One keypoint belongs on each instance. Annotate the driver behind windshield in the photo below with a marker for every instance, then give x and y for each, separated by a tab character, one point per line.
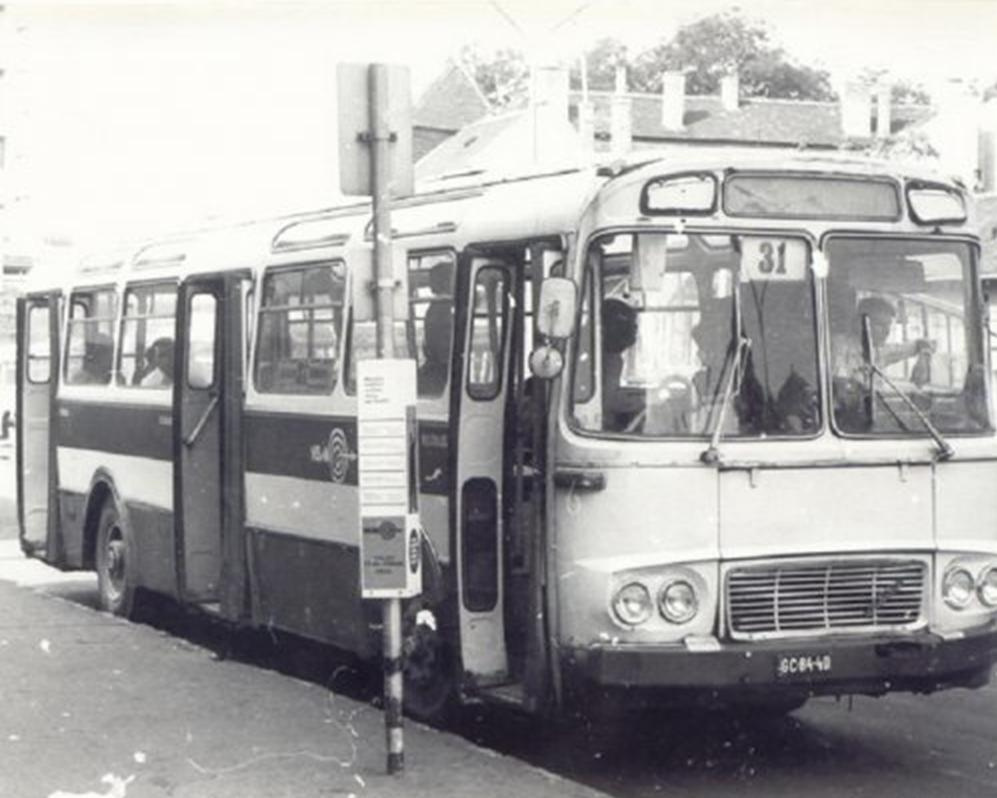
849	362
852	374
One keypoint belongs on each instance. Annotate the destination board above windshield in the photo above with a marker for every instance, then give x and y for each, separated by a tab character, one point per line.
807	196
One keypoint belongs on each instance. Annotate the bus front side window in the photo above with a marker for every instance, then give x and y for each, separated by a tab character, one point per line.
904	330
668	311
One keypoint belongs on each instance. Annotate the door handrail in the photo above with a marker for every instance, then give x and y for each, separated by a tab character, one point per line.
195	433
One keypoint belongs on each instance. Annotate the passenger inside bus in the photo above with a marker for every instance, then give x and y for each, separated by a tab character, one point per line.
159	358
98	359
437	331
621	406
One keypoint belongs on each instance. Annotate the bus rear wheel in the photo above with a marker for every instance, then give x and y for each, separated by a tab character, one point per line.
115	563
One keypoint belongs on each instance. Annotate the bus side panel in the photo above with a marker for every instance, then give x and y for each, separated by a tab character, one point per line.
130	445
302	518
311	588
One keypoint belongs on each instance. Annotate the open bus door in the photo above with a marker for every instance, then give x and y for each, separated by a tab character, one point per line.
483	388
37	378
208	400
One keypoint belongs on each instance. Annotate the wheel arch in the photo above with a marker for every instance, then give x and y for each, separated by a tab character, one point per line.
102	488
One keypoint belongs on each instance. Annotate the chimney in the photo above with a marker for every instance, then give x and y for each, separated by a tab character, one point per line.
730	92
620	120
884	99
549	105
672	100
856	111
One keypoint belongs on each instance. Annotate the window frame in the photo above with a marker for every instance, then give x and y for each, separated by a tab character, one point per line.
74	292
262	308
124	318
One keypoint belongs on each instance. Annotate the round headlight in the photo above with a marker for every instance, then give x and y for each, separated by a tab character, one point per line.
986	586
958	587
677	602
632	604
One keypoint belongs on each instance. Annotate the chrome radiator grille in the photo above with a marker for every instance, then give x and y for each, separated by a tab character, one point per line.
796	598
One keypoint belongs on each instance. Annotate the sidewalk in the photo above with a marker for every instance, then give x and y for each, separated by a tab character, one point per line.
85	695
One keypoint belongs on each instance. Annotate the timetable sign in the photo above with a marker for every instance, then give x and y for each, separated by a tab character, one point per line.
390	537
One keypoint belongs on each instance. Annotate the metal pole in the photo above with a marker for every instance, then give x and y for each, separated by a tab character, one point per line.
391	610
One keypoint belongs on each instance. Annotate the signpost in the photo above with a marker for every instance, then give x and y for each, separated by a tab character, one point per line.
375	149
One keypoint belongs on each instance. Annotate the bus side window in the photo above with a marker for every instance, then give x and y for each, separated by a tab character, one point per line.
427	336
491	310
39	363
300	321
431	286
90	336
145	356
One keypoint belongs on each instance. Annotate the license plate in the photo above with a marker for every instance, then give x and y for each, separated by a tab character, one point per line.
802	665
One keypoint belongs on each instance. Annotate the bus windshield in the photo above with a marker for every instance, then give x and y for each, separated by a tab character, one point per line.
663	317
907	308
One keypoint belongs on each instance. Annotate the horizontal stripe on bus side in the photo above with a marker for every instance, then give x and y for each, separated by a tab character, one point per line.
129	429
319	448
137	479
327	512
323	448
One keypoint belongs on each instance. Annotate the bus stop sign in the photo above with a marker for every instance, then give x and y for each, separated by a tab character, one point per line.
353	109
390	537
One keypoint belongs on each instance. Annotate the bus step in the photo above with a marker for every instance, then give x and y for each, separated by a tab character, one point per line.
511	694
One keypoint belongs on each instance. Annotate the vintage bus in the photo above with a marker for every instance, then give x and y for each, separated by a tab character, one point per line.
706	429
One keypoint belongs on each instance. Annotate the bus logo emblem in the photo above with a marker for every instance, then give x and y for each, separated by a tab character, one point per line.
339	455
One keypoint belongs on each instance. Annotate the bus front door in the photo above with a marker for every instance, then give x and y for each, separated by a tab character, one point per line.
37	376
483	389
207	445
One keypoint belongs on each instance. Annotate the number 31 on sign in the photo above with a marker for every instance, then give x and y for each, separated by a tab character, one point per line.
767	258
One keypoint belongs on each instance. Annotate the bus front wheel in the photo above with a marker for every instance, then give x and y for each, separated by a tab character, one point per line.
115	563
430	665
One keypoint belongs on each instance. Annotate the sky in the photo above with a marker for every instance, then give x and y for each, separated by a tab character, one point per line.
130	118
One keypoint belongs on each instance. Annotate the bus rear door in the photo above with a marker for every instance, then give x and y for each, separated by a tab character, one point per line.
208	401
37	377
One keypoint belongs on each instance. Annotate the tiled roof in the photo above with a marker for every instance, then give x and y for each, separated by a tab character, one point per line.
454	101
764	121
450	102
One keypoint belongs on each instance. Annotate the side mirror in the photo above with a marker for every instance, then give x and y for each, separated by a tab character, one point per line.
556	309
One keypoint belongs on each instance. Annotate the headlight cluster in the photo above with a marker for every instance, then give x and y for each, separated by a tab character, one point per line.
677	602
959	586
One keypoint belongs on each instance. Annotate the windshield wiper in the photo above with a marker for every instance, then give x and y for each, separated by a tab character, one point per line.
735	357
945	451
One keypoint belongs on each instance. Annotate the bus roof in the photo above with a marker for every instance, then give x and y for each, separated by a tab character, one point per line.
516	207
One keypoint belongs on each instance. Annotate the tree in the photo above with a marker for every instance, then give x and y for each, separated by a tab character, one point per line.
601	62
723	43
502	75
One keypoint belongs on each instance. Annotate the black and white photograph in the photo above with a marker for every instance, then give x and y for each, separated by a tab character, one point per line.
562	399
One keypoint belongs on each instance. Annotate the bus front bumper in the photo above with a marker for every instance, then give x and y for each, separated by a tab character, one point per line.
919	662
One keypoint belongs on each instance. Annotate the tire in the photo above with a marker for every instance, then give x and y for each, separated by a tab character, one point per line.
115	563
430	676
